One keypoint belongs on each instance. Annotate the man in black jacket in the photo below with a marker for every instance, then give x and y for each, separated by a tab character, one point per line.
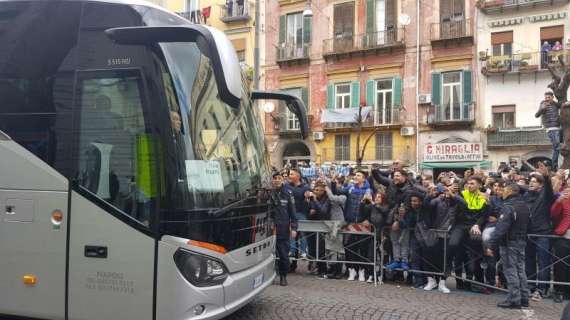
549	112
510	234
319	209
540	198
285	223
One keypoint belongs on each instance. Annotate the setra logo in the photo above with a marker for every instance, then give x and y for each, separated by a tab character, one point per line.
259	248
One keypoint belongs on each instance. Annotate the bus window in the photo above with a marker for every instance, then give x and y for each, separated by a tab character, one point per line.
116	151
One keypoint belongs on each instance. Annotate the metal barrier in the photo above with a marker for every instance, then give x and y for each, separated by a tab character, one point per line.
321	227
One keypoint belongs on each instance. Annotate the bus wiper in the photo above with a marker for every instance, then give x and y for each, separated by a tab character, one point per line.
220	211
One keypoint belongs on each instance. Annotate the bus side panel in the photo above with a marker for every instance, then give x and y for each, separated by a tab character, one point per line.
111	266
30	243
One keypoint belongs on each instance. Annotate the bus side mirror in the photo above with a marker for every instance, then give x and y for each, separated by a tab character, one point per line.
212	43
294	104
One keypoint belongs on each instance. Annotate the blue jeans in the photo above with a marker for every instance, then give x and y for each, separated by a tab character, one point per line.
300	236
554	136
538	253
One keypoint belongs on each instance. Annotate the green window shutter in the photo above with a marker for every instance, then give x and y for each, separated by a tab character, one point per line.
467	90
436	88
305	98
330	96
370	15
397	96
355	95
282	29
467	93
307	23
370	92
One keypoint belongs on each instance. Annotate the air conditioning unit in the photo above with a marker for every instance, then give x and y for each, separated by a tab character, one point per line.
424	98
318	136
407	131
483	55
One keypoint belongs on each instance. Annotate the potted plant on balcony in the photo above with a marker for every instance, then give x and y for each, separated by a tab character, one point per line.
497	66
525	64
491	129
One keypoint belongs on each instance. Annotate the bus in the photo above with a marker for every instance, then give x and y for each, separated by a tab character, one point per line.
133	168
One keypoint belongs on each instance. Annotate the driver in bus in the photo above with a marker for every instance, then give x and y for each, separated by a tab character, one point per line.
176	159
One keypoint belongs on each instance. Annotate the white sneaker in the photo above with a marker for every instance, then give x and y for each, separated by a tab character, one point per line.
361	277
351	274
442	288
370	279
431	284
304	256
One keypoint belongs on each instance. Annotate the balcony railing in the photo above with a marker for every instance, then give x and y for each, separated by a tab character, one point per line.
375	119
490	6
525	136
193	16
441	115
234	12
360	43
452	30
292	51
525	62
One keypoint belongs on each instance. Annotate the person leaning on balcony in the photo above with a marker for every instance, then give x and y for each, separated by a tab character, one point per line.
549	112
557	46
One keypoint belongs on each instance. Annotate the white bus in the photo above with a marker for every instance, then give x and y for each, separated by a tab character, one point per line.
132	166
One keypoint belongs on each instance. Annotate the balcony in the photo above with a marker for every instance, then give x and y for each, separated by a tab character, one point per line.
233	12
524	62
375	119
498	6
193	16
524	136
454	31
440	116
293	53
374	42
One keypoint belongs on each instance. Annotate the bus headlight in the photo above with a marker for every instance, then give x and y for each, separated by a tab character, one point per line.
200	270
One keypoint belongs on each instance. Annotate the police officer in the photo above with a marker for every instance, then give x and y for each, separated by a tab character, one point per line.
511	234
285	223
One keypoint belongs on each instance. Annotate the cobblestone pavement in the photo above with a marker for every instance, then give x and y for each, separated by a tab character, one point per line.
308	297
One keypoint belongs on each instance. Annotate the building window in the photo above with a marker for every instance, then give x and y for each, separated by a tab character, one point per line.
343	27
451	103
342	147
384	146
504	117
295	30
502	43
241	55
383	108
551	39
291	121
342	95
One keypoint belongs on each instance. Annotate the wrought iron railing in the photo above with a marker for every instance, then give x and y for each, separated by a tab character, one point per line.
454	29
524	136
527	61
445	115
372	40
233	11
293	51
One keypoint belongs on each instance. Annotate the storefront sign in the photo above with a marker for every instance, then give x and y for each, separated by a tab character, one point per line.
441	152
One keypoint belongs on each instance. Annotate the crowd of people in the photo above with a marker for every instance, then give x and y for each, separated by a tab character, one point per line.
434	227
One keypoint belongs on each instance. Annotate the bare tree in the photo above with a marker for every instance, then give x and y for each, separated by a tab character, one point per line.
559	85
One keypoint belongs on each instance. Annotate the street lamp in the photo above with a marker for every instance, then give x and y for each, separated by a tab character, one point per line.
308	12
268	107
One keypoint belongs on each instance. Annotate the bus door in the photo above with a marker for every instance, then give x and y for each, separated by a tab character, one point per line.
112	249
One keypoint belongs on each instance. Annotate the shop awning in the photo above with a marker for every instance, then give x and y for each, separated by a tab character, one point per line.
442	165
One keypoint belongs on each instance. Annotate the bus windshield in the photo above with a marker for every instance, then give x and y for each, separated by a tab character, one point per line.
215	153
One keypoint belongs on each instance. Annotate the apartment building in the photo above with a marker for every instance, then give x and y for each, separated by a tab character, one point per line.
518	40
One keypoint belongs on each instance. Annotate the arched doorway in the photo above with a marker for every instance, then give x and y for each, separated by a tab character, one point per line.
296	152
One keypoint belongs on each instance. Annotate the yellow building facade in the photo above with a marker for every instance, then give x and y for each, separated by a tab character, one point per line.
235	18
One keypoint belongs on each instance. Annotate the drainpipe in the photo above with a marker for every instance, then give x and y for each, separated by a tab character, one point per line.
417	85
256	46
